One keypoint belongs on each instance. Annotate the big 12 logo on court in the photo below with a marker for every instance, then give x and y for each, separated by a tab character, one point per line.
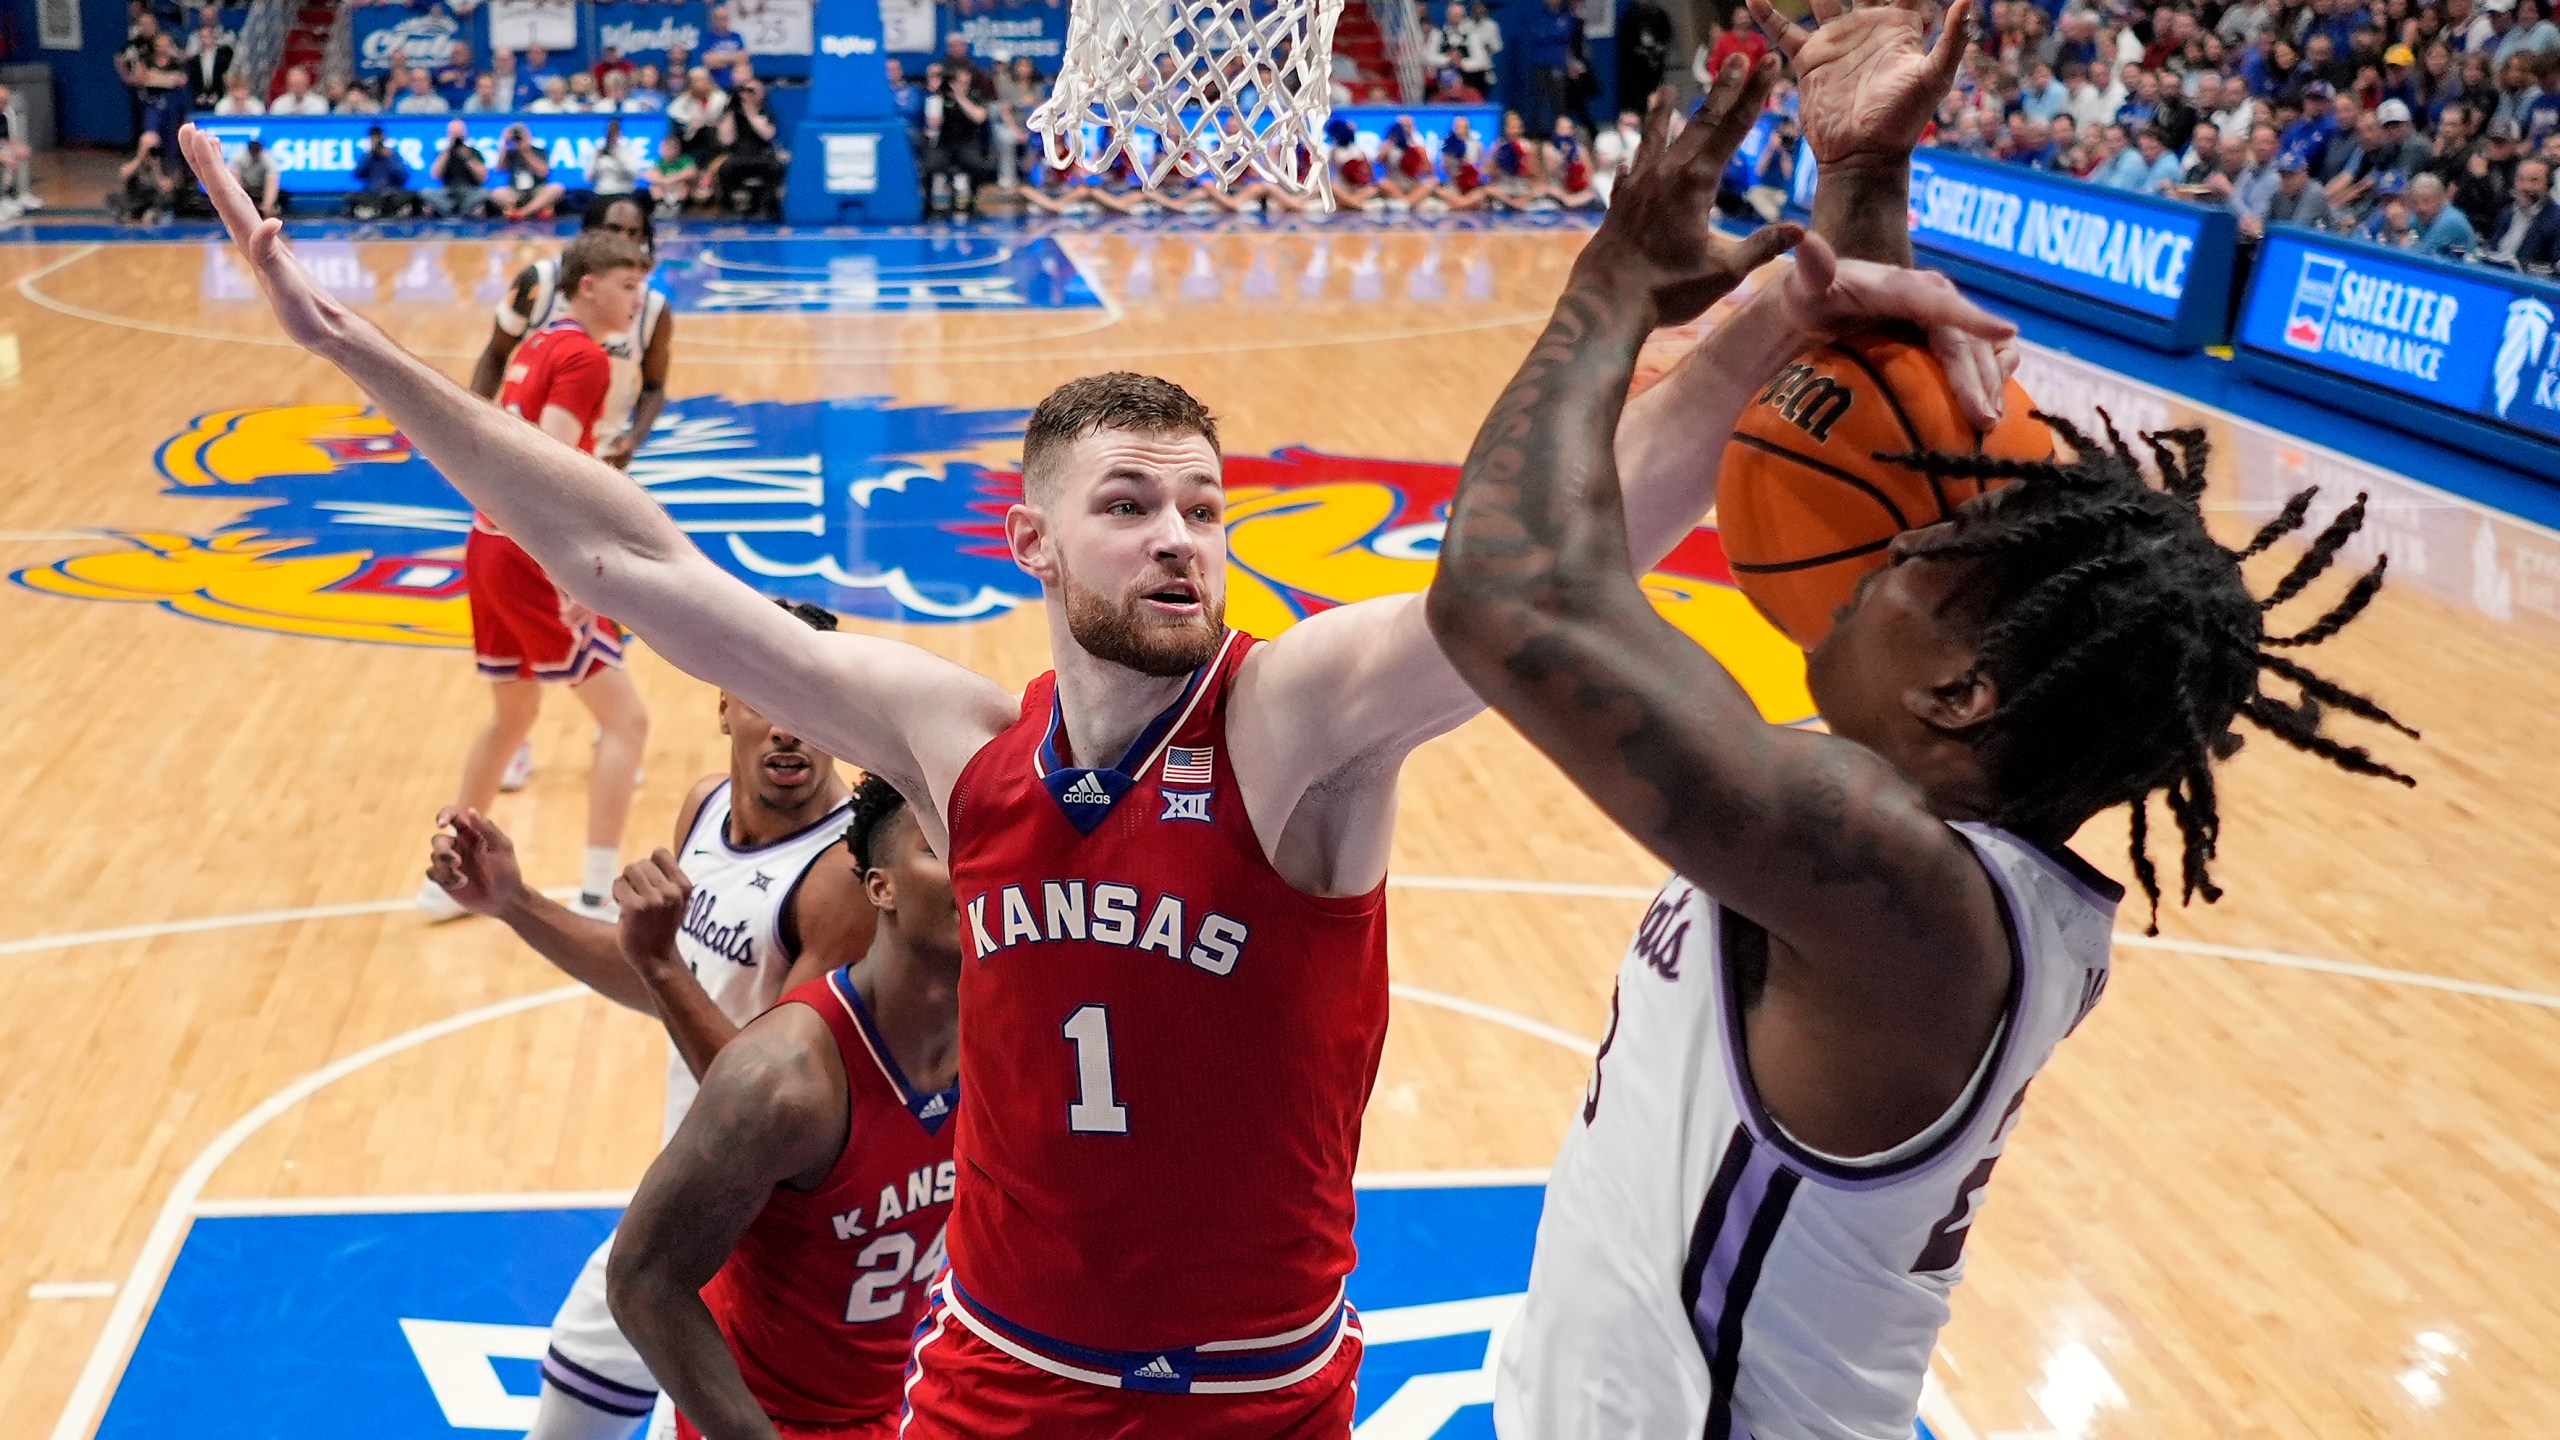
339	529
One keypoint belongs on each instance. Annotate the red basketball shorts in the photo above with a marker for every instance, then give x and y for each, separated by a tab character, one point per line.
522	627
883	1426
959	1387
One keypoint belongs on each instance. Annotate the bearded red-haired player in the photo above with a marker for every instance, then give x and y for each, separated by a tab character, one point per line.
1169	854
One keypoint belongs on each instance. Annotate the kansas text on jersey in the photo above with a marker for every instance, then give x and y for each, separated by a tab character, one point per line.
1056	910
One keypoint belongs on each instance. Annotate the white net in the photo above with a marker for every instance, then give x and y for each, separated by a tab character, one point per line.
1219	92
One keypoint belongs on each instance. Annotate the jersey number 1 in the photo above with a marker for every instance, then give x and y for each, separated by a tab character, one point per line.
1096	1110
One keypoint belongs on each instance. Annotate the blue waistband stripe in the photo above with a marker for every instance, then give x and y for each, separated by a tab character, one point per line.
1171	1370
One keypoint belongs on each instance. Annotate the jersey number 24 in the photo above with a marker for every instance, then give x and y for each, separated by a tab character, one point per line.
889	1264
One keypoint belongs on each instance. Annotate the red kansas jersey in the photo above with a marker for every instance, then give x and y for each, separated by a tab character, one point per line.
559	364
821	1297
1168	1051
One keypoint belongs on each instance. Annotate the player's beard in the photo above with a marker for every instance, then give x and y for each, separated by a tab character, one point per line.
1125	635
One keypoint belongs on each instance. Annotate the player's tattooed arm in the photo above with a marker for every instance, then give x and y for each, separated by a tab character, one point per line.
772	1111
1818	839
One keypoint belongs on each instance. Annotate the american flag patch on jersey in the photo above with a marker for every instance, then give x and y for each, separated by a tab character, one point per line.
1187	767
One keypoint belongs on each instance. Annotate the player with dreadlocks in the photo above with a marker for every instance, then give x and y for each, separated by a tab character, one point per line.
815	1165
2125	643
1825	1026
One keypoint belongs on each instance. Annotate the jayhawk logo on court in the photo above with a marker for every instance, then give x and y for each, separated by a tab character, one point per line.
872	509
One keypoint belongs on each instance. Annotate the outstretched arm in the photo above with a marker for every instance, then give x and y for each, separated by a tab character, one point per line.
772	1110
1818	839
888	707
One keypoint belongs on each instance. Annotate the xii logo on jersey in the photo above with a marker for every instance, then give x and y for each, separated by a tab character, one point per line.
334	527
1186	805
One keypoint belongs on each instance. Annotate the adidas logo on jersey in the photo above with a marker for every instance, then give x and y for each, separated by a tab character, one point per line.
934	1109
1159	1368
1088	791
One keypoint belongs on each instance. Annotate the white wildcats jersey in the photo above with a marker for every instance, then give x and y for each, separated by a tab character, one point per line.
1698	1271
732	931
623	350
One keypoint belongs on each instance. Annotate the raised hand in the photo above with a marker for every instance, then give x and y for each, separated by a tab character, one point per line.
1867	80
653	894
1661	232
311	317
475	862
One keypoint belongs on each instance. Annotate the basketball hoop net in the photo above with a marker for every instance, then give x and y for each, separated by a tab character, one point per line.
1214	90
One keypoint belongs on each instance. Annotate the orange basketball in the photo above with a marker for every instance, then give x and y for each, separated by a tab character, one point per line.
1807	504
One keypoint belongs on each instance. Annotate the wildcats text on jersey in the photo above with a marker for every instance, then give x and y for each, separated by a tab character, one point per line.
734	941
1106	913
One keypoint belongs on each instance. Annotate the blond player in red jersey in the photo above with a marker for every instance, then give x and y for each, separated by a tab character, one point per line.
1085	1295
525	632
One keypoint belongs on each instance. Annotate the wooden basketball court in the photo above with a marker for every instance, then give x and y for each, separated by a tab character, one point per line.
2293	1179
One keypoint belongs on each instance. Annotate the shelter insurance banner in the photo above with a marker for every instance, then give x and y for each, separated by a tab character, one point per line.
2101	244
2153	270
316	154
2465	337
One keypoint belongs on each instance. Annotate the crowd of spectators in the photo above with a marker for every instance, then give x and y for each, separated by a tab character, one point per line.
2430	126
723	150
